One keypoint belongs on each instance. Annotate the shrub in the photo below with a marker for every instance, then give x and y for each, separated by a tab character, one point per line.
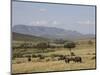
70	45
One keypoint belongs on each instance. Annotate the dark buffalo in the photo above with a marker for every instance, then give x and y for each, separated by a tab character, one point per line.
67	60
78	59
63	57
74	59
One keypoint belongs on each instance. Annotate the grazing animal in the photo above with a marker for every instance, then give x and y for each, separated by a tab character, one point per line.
67	60
75	59
29	59
63	57
78	59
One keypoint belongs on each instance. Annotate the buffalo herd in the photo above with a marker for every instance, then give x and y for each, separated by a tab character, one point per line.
75	59
65	58
68	58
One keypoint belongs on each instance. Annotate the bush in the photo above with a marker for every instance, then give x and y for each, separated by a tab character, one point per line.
90	42
34	56
93	58
42	46
42	57
56	55
17	55
70	45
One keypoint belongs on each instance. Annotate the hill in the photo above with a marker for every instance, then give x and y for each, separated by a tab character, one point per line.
24	37
50	32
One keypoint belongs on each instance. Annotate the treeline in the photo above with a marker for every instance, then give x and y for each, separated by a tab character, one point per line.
42	47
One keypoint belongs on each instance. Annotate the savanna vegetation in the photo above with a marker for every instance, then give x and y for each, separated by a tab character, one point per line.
52	55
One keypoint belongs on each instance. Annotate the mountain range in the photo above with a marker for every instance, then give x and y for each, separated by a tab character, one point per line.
49	32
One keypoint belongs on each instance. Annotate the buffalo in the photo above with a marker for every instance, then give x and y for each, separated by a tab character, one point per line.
75	59
78	59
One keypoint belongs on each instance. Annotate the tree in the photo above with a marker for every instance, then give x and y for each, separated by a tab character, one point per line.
70	45
42	46
60	41
90	42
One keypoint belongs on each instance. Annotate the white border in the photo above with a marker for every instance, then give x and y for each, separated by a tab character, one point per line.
5	37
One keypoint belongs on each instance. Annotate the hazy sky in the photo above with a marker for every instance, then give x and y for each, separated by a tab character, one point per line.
70	17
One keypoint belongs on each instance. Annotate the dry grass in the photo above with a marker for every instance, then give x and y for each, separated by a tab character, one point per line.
50	66
85	51
44	66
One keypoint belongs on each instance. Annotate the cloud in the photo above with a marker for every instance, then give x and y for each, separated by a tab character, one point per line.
50	23
55	22
88	22
39	22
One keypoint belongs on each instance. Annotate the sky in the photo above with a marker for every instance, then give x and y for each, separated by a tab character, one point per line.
69	17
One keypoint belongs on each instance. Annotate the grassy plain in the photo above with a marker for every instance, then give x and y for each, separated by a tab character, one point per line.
84	50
